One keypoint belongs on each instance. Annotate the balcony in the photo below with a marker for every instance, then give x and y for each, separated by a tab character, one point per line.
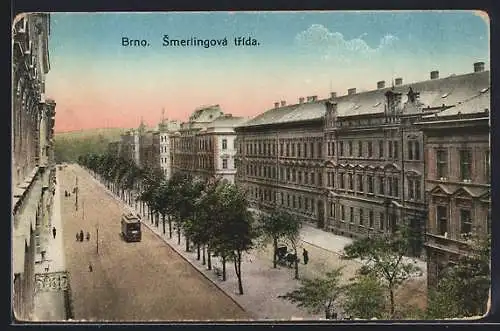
447	244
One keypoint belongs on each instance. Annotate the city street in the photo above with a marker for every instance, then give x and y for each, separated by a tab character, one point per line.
112	280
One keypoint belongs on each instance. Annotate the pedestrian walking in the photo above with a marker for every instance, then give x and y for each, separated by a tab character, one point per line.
54	232
90	267
81	235
77	236
305	255
88	236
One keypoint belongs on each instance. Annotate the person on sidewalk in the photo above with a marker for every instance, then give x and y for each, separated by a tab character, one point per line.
77	236
54	231
88	236
90	267
81	235
305	255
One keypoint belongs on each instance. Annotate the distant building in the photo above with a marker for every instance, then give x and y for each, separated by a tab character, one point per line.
186	152
32	159
114	148
149	157
166	128
222	154
127	145
457	172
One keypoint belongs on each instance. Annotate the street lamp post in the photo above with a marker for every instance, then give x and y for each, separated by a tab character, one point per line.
76	194
97	238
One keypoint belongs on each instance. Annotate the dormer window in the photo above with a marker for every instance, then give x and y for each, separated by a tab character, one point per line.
393	101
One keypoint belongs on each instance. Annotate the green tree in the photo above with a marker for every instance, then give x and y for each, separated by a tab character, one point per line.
384	257
237	227
206	209
319	294
463	287
275	226
292	236
364	298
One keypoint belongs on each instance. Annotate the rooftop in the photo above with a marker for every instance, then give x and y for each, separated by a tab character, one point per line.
433	93
477	104
227	121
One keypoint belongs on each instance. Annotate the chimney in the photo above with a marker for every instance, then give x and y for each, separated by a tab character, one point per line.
333	95
381	84
351	91
276	105
301	100
398	81
478	66
434	74
283	103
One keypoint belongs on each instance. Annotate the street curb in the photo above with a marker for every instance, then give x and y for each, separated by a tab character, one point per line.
197	269
325	249
172	247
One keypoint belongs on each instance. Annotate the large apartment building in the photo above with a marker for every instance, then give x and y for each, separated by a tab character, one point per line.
32	158
351	164
204	145
281	156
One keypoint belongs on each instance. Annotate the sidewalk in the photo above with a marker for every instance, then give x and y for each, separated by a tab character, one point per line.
50	305
335	243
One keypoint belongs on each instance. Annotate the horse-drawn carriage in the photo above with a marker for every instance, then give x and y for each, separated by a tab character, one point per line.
285	257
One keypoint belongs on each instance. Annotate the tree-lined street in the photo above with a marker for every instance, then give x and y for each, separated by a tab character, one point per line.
129	281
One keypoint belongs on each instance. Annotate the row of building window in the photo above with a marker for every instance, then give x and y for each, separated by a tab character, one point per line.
298	202
392	147
386	184
285	174
465	164
299	149
306	204
365	217
442	216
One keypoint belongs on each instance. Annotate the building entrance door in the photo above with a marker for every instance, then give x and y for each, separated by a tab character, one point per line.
321	214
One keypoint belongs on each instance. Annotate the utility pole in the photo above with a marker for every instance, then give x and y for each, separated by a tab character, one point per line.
76	194
97	238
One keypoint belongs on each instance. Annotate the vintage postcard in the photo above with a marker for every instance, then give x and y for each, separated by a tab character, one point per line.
245	166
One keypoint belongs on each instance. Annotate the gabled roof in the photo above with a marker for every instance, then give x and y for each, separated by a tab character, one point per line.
470	191
441	188
227	121
413	172
391	166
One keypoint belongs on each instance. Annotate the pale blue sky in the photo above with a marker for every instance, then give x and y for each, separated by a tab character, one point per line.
300	53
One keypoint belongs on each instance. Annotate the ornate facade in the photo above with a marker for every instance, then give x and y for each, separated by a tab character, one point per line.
222	139
194	146
457	175
352	164
33	168
280	159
